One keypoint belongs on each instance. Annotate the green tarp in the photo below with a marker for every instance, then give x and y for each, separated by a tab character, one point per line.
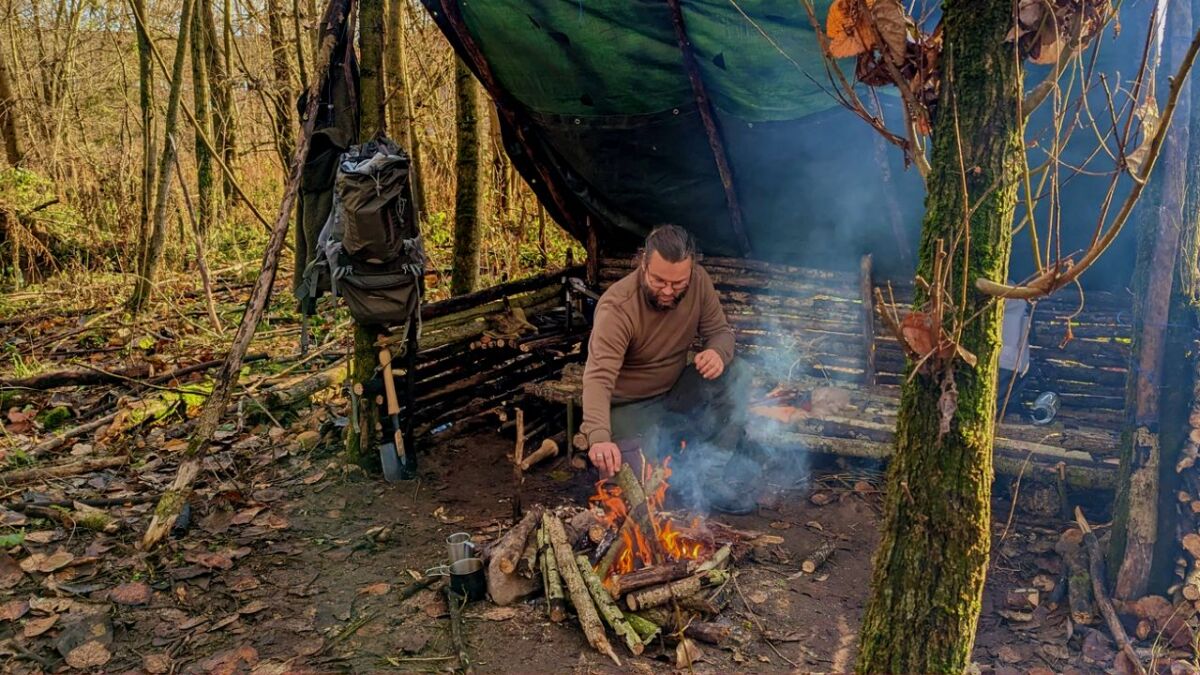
599	105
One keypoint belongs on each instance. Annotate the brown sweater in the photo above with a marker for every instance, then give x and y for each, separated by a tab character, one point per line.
637	352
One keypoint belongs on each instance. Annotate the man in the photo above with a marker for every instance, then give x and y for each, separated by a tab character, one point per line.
640	393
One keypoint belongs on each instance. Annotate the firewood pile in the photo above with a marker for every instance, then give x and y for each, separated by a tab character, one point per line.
630	571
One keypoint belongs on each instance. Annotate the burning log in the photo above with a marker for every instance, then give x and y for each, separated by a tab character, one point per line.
639	510
650	576
602	547
647	630
659	595
717	560
608	609
580	598
817	558
556	605
625	533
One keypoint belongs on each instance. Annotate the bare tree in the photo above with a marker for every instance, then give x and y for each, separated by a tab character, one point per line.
468	195
372	70
146	104
151	255
202	57
9	128
285	138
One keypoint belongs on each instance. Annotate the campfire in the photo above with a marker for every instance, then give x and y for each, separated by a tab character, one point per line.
627	565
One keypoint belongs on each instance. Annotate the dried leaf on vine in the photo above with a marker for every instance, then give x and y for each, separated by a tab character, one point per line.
1045	27
919	333
891	24
849	29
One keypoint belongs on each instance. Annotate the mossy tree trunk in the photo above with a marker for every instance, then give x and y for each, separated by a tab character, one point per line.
468	193
9	129
932	560
371	72
201	98
362	436
1145	504
149	145
152	253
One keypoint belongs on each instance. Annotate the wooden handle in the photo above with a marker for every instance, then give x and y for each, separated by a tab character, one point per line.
389	385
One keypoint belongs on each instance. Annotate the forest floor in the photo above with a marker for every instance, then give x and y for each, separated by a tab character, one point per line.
294	560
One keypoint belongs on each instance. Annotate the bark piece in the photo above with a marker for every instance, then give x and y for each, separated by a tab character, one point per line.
580	598
608	609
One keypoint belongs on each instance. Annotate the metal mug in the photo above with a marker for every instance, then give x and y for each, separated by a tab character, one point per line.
466	577
459	546
1045	407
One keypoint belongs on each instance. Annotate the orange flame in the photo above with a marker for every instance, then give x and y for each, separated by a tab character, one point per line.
636	551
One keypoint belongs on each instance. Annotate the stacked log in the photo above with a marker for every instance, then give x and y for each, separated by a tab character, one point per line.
1186	592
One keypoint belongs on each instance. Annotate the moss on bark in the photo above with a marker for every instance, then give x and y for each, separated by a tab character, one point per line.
932	559
362	434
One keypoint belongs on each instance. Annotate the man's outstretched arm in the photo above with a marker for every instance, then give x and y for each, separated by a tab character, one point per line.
611	332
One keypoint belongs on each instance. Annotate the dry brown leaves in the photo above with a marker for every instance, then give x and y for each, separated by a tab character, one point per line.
1046	27
135	593
88	655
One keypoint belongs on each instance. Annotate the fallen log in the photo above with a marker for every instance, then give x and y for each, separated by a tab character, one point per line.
713	633
581	599
659	595
1079	582
76	377
302	387
656	575
61	470
55	442
813	561
1096	568
607	608
556	605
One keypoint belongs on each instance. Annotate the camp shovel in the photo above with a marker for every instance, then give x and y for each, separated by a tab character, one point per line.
392	454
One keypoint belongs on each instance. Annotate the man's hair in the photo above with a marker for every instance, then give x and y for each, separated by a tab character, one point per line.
672	242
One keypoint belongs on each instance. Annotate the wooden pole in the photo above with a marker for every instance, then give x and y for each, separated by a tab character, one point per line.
608	609
1096	565
518	457
556	605
175	497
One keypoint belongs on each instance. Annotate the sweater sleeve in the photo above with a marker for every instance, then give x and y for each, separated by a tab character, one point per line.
611	332
714	328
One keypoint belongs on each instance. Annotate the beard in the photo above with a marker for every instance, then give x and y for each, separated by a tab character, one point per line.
654	301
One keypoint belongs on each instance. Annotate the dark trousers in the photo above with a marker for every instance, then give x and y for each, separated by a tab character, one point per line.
706	414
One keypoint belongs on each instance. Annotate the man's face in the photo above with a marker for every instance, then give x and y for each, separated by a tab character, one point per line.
665	283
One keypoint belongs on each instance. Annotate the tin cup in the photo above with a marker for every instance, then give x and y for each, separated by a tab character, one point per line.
460	547
466	577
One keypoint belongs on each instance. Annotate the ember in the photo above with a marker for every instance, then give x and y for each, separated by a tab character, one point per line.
649	536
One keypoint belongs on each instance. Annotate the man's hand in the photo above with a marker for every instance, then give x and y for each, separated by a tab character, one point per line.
710	365
606	457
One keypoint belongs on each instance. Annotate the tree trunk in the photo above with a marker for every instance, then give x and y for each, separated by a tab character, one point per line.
371	73
932	559
284	99
201	97
401	124
154	247
9	129
362	434
1138	520
220	95
227	120
468	195
149	146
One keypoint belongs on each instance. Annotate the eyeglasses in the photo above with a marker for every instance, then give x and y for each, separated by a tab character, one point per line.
658	284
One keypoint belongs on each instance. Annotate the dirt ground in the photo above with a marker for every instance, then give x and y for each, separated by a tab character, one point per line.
303	567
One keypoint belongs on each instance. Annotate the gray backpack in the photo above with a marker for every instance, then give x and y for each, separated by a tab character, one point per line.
369	251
